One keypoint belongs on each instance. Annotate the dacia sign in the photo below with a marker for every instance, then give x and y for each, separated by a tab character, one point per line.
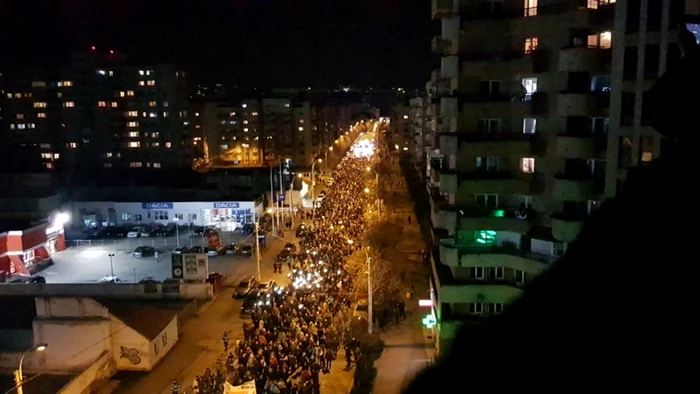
157	205
226	205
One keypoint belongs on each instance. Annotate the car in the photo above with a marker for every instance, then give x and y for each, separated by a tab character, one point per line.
268	286
135	232
196	249
289	246
163	231
148	279
244	287
21	278
246	250
144	251
181	250
361	310
227	249
211	252
284	256
254	298
109	279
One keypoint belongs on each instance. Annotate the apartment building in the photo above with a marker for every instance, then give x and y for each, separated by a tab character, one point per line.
417	117
99	113
401	131
521	107
232	134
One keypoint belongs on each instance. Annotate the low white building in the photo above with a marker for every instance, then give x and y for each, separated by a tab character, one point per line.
226	215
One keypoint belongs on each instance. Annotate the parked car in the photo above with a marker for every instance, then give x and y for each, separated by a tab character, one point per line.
181	250
109	279
244	287
135	232
20	278
246	250
284	256
196	249
289	246
144	251
227	249
254	298
268	286
148	279
211	252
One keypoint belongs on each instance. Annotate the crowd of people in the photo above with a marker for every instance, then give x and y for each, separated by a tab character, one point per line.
296	331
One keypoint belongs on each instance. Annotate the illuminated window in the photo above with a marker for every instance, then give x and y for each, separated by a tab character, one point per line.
156	165
9	95
18	95
129	92
12	126
245	129
152	103
20	116
487	200
132	124
101	104
122	94
254	113
151	83
39	104
301	128
21	126
531	44
531	7
31	126
132	114
135	164
108	165
134	144
527	165
152	115
65	84
602	40
165	114
232	114
114	104
69	104
38	84
245	122
110	73
244	105
405	116
168	144
134	134
155	144
56	155
155	135
529	126
73	145
301	121
41	115
141	72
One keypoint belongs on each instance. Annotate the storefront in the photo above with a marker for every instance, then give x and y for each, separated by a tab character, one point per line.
225	215
23	251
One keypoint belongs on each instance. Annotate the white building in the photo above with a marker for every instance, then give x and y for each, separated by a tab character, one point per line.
226	215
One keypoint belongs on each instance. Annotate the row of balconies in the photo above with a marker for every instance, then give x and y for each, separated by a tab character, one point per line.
597	12
455	255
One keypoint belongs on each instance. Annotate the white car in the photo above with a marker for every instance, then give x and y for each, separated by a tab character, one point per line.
135	232
109	279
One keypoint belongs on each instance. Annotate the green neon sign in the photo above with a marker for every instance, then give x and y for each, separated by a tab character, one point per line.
429	321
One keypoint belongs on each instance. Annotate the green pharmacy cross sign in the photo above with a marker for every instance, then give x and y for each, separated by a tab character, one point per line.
429	321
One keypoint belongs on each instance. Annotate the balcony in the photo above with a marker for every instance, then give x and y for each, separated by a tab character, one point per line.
566	227
508	61
578	187
573	103
584	59
473	217
505	182
444	47
581	146
447	87
441	8
485	12
455	255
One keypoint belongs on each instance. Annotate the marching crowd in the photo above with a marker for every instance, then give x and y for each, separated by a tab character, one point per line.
296	331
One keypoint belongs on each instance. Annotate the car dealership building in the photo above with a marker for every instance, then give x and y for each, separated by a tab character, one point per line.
225	215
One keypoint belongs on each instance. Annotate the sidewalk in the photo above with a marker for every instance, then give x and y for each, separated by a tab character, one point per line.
338	381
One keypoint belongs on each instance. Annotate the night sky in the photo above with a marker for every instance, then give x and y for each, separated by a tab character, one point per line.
264	43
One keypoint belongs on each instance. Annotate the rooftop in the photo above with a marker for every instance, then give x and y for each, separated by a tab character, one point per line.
145	318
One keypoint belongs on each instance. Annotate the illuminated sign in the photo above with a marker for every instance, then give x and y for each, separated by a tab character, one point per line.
227	205
425	302
429	321
157	205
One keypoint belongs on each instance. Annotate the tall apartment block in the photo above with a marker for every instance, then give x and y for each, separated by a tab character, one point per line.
99	113
538	111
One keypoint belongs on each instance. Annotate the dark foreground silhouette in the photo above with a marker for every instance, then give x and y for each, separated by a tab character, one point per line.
620	310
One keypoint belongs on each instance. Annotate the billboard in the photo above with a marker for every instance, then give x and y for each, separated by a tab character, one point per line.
157	205
195	266
176	269
213	239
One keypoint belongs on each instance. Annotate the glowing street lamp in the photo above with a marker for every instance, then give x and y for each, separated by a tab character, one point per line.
18	373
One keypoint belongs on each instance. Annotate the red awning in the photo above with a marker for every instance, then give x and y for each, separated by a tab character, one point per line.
17	265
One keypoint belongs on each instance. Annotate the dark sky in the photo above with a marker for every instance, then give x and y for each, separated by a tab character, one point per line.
285	43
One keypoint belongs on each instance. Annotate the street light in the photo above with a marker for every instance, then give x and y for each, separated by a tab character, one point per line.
367	190
19	378
111	265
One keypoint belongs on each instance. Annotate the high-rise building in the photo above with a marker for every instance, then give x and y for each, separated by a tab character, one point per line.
100	113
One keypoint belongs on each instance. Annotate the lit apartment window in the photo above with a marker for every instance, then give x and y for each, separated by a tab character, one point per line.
134	134
531	44
232	114
56	155
527	165
141	72
244	105
21	126
101	72
108	154
135	164
142	83
101	104
156	165
41	115
489	200
301	121
530	85
73	145
122	94
151	83
65	84
9	95
405	116
110	73
12	126
301	128
531	7
129	92
245	122
38	84
155	135
20	116
114	104
168	144
40	104
69	104
602	40
286	105
476	308
132	114
152	115
108	165
529	126
155	144
224	146
476	272
134	144
245	129
18	95
152	103
165	114
31	125
254	113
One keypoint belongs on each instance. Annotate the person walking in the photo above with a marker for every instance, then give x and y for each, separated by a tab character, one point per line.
224	339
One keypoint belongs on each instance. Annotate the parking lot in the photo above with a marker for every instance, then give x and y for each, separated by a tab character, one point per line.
89	260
